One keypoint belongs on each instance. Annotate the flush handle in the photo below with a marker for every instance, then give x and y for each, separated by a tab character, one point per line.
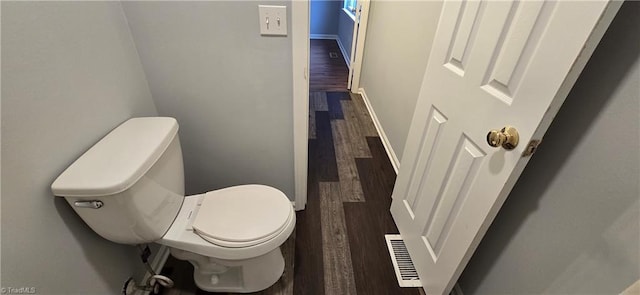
89	204
507	137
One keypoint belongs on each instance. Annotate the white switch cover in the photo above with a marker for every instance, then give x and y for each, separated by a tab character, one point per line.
273	20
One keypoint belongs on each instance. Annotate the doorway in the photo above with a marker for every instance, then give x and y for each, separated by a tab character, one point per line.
304	31
336	33
330	38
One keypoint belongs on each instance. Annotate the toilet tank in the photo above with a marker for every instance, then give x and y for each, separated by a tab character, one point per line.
129	186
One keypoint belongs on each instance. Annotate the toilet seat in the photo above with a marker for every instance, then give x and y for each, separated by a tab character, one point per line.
242	216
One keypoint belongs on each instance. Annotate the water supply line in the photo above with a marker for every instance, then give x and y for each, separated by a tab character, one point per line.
154	281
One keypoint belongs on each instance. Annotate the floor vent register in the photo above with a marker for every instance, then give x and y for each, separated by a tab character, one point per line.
402	264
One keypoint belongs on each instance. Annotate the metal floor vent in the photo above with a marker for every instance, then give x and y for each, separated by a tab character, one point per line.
402	264
333	55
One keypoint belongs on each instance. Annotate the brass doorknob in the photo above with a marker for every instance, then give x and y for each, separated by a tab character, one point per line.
506	137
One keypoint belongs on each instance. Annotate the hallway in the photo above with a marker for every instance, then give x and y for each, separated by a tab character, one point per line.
327	68
338	246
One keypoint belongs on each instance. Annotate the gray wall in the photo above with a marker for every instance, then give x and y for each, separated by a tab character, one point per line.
229	88
399	39
571	224
70	74
323	18
345	31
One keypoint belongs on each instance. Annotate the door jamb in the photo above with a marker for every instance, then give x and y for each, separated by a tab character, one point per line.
357	45
300	77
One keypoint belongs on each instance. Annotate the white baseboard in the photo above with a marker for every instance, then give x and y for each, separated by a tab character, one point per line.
383	136
323	36
295	207
157	264
344	53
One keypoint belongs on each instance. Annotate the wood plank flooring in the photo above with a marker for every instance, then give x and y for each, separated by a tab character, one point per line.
327	73
354	204
338	246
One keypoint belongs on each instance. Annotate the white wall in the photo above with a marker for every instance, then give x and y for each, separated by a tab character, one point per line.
571	224
399	39
70	73
229	88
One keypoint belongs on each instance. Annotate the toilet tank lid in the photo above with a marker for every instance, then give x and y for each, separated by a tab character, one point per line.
118	160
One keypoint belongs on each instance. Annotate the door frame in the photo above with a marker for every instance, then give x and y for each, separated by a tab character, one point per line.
300	94
300	36
357	45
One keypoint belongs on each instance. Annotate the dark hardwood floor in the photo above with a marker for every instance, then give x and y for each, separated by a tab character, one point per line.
327	73
350	182
338	246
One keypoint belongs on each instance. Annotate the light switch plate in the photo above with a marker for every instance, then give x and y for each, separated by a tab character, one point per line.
273	20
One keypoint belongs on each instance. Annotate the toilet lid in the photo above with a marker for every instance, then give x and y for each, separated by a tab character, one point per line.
242	216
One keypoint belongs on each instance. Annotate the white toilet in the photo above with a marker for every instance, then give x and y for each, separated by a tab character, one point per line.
129	188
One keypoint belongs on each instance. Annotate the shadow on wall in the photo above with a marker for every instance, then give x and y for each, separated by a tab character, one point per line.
611	62
95	248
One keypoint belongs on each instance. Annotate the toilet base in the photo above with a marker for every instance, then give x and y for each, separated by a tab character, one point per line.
238	276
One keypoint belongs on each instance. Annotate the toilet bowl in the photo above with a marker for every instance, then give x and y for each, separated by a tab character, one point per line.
129	188
232	236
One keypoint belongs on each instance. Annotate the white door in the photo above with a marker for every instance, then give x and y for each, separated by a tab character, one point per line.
493	64
357	44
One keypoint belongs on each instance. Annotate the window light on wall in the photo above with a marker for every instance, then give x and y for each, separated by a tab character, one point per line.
350	7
